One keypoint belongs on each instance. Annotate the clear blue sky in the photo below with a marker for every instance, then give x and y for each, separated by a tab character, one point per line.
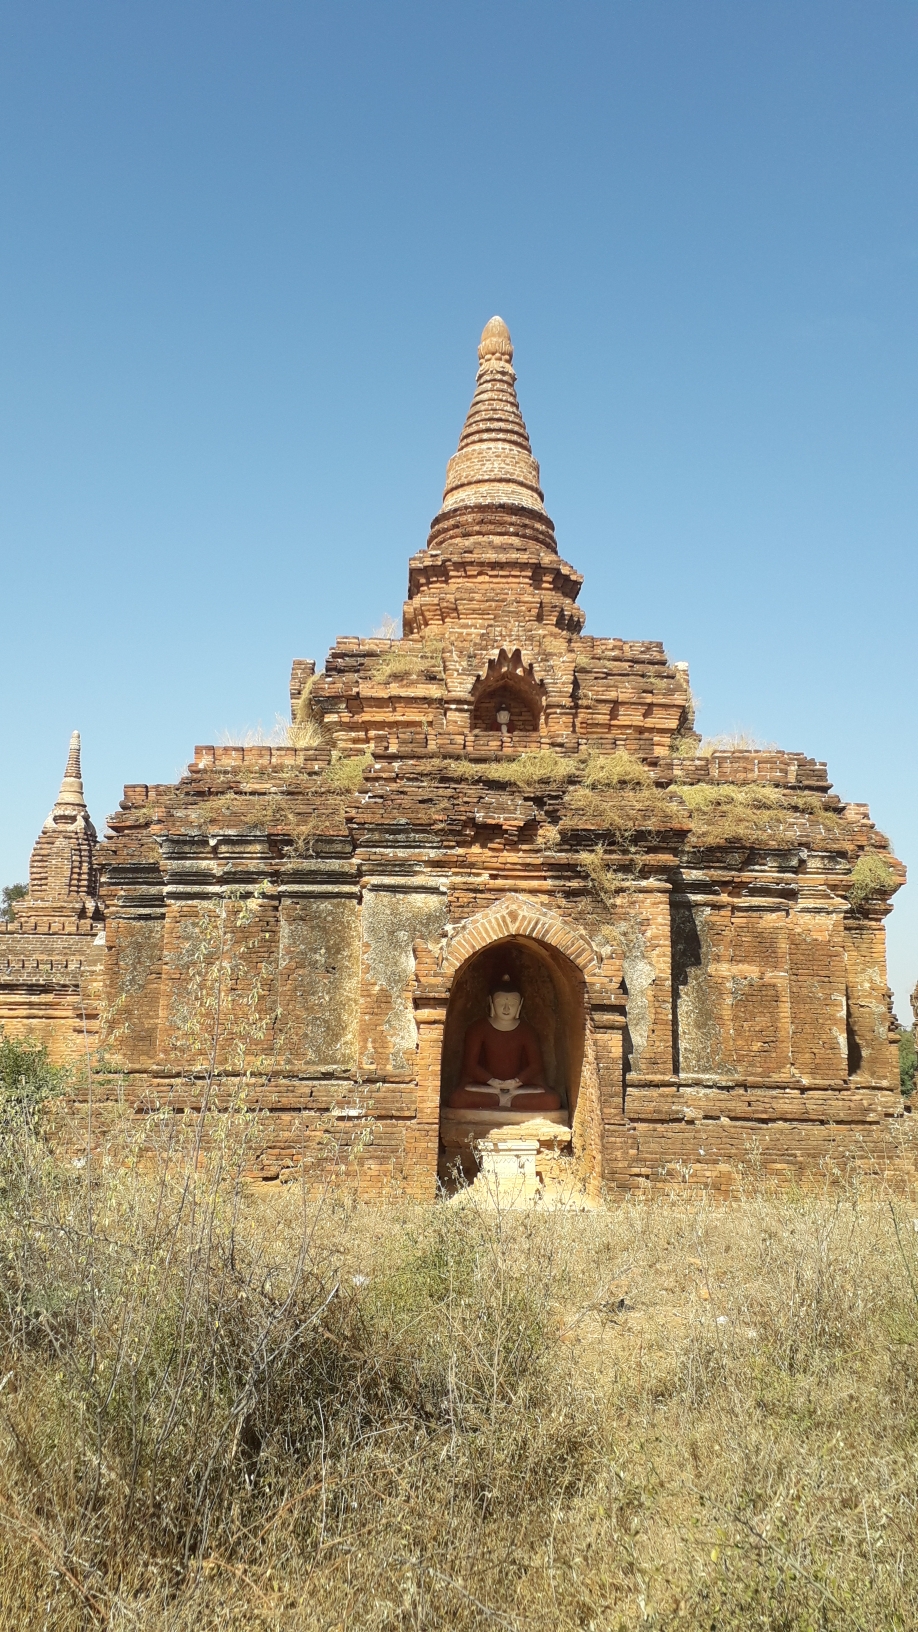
246	251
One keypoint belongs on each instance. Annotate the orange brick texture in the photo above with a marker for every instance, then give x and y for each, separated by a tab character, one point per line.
305	931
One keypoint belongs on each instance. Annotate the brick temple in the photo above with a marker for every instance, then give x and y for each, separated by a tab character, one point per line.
308	930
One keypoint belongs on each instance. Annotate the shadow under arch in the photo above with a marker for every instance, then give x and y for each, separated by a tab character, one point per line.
507	683
554	1003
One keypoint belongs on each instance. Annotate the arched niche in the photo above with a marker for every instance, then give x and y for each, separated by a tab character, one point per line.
507	684
554	1003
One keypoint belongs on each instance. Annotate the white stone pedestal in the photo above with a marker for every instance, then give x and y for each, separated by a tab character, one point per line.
508	1170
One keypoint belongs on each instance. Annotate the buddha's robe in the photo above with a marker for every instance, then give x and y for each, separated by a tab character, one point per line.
503	1055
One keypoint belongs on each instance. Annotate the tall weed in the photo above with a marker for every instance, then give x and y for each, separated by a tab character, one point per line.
224	1406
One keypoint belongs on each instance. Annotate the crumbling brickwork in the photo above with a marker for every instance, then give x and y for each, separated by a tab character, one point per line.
51	955
305	930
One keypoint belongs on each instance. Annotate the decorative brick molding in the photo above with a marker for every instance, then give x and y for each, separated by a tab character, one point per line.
515	915
518	919
495	779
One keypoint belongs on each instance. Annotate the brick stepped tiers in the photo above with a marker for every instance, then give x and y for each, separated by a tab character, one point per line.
698	935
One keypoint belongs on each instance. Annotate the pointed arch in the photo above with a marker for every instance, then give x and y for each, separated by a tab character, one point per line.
510	683
519	915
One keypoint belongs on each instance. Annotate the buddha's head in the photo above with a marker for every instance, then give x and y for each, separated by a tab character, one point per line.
506	1002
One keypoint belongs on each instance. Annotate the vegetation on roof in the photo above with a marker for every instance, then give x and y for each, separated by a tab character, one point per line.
616	793
684	747
871	879
540	768
751	813
622	811
735	742
545	768
711	795
306	729
404	661
614	771
346	775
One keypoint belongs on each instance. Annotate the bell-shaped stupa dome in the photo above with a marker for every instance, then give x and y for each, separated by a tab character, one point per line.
494	462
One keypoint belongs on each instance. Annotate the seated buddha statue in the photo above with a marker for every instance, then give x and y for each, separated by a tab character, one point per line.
502	1061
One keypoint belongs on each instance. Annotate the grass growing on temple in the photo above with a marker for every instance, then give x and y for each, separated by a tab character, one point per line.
228	1407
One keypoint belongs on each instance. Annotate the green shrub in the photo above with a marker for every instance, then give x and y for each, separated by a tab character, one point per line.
11	894
27	1077
871	879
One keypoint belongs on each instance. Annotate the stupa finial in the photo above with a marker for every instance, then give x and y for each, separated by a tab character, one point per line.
494	463
73	756
72	786
495	344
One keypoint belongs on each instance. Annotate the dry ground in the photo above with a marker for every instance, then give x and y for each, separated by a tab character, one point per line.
226	1410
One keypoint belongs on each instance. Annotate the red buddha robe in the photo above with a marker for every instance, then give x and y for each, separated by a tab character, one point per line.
502	1054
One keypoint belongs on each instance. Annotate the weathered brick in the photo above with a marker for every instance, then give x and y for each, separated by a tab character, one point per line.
309	945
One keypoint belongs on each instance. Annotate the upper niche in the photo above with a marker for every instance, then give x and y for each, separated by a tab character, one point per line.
507	685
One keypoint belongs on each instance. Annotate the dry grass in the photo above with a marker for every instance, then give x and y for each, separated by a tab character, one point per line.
538	769
611	791
872	879
622	811
610	876
614	771
403	661
345	775
753	813
222	1409
304	734
615	793
735	742
277	813
543	768
548	836
305	731
257	736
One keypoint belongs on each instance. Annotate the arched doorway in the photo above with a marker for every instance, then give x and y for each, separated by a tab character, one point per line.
578	989
554	1003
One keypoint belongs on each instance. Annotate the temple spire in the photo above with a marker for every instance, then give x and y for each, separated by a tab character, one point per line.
71	793
494	463
491	561
62	871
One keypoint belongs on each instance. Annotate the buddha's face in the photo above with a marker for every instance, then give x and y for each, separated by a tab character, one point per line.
505	1008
